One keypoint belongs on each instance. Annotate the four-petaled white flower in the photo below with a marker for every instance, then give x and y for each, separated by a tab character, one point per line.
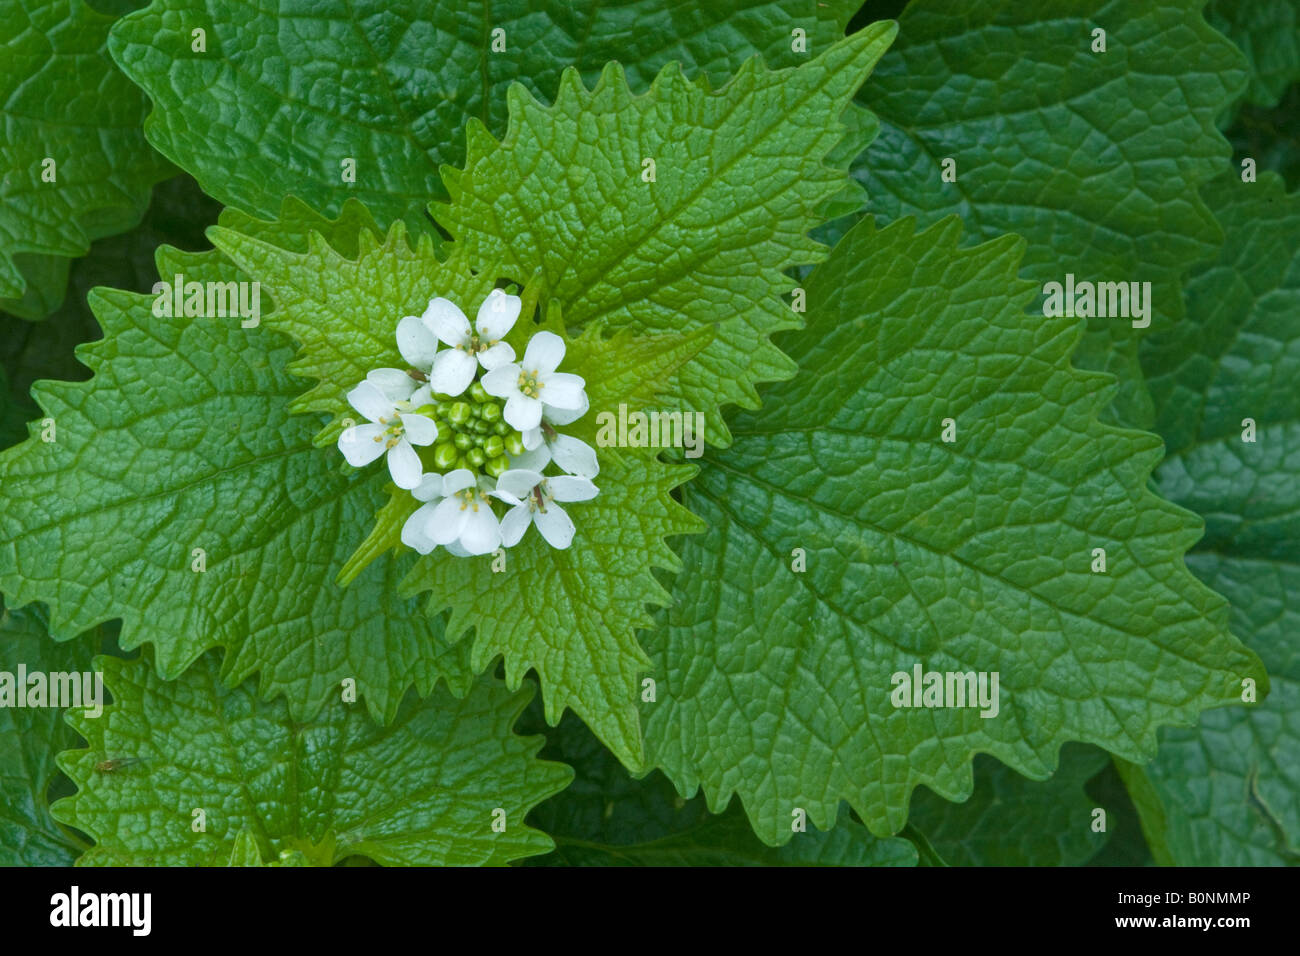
531	386
534	499
462	519
432	490
394	426
544	444
453	369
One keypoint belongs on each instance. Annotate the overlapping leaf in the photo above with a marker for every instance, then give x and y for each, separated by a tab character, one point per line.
699	240
1093	158
1011	821
282	96
183	439
572	615
30	737
62	101
1227	792
606	818
201	764
973	555
1268	33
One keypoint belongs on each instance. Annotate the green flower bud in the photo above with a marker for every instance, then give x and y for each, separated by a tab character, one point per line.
459	413
445	455
491	412
515	443
496	466
463	441
493	446
476	456
501	428
478	392
462	462
482	427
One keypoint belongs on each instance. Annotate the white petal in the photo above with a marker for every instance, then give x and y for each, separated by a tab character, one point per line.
556	526
455	548
393	382
447	322
496	316
457	480
535	459
514	524
453	370
518	482
574	456
371	402
544	353
482	531
498	355
416	342
415	532
404	465
566	416
533	437
563	390
502	381
429	488
566	488
522	412
419	429
421	396
448	518
359	446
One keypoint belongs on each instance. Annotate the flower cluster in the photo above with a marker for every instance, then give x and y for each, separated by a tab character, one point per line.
467	425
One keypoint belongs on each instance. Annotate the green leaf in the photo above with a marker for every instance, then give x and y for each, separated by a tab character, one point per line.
1229	788
970	555
421	791
183	439
283	95
606	818
177	216
1268	33
572	615
739	179
1094	158
1012	821
29	739
63	100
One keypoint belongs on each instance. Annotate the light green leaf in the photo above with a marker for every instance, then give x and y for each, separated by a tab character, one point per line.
1010	820
283	95
967	556
421	791
63	101
1094	158
739	179
606	818
1268	33
1229	788
29	739
183	439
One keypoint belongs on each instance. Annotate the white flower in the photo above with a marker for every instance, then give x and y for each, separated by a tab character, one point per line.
463	519
453	369
393	426
534	499
544	444
533	385
432	490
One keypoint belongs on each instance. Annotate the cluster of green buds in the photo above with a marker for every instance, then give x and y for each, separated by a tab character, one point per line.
472	433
